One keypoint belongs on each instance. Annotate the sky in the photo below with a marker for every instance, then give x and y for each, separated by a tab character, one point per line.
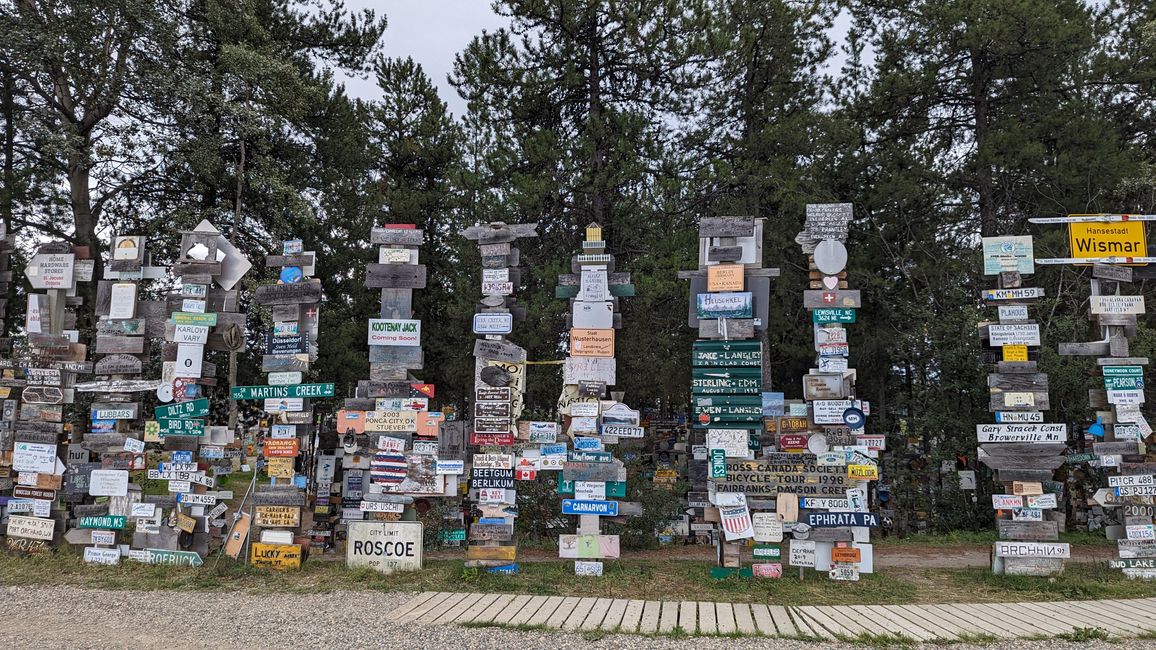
430	31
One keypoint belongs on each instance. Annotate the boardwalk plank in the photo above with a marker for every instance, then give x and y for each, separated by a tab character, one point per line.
420	610
494	609
446	605
764	621
744	622
614	615
597	612
891	619
536	603
581	610
410	604
513	609
686	617
707	621
782	621
668	618
564	610
632	617
470	613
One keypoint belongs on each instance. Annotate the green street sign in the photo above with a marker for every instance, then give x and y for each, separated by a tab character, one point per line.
281	392
458	535
833	315
718	463
115	522
613	488
1123	383
727	353
197	408
175	558
184	427
726	381
1123	371
767	552
185	318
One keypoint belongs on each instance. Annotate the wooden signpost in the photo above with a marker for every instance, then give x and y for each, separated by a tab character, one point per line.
1116	248
592	426
1021	444
497	402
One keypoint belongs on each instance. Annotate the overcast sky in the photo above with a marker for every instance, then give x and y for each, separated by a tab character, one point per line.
430	31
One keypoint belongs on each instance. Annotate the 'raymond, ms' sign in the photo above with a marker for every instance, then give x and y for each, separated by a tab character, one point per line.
385	546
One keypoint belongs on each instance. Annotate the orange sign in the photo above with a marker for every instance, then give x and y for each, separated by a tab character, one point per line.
237	536
280	447
724	277
591	343
347	420
429	424
845	555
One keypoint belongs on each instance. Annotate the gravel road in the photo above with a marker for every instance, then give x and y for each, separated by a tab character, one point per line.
69	617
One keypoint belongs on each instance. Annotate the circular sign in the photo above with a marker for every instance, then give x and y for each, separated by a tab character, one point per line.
830	256
817	444
854	418
704	418
291	275
165	393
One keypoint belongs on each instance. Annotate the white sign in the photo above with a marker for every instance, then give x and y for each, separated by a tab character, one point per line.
285	378
593	286
30	527
195	334
1041	501
493	323
101	555
122	301
396	256
833	364
34	457
134	445
768	526
802	553
830	411
390	331
283	431
1142	531
285	404
385	546
1006	501
189	357
46	271
1038	432
103	537
108	483
495	275
497	288
1033	549
379	506
1126	397
578	369
143	510
587	568
733	441
1138	479
590	490
1013	312
1006	334
1117	304
593	315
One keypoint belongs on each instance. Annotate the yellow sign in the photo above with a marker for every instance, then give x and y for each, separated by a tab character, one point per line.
277	556
152	431
724	277
279	467
1116	239
504	553
1015	353
278	516
186	523
863	472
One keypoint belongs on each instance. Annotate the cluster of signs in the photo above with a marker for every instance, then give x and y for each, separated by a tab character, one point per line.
1112	245
290	347
101	490
1020	447
791	476
591	477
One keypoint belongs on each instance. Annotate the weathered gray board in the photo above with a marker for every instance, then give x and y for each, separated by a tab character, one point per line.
1022	461
395	276
1018	382
1026	448
1038	531
1009	475
289	294
499	351
726	227
1039	402
1092	349
402	356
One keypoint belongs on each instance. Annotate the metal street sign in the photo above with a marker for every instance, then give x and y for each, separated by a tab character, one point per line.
197	408
279	392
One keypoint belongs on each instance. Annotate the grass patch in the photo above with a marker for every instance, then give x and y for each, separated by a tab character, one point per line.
1084	634
646	579
984	538
878	640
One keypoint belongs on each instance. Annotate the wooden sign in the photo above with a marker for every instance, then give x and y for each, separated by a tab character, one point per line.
1028	432
726	227
1026	488
1116	304
1033	550
106	344
397	236
306	292
279	557
826	299
395	276
277	516
500	351
1028	530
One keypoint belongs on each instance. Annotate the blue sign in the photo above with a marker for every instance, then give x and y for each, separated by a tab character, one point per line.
182	456
599	508
495	521
103	426
505	568
839	519
774	405
553	450
588	444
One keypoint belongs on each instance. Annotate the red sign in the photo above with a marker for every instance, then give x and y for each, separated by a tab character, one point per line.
424	389
770	570
828	298
792	441
280	447
501	439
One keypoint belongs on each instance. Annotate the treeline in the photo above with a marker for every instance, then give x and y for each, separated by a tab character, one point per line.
940	120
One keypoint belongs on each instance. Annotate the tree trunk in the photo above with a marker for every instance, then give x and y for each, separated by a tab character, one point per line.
85	221
598	200
988	223
8	187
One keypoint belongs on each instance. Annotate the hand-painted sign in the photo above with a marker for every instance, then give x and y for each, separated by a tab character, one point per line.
725	305
389	331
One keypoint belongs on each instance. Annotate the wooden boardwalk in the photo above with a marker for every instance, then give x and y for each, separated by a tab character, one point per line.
932	622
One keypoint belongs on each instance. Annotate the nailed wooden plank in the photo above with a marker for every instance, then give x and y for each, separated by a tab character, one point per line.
1042	531
395	276
765	621
443	607
1016	367
821	625
976	619
1027	448
1016	474
529	609
613	619
804	625
546	610
945	628
417	612
302	293
477	609
300	259
408	605
1022	461
1018	401
632	617
578	614
651	611
725	618
874	623
735	328
399	236
494	609
1018	382
688	617
726	227
890	619
836	621
107	344
597	612
1090	349
463	604
744	621
512	609
559	616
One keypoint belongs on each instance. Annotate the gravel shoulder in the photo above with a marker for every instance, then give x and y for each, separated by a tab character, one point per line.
74	618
